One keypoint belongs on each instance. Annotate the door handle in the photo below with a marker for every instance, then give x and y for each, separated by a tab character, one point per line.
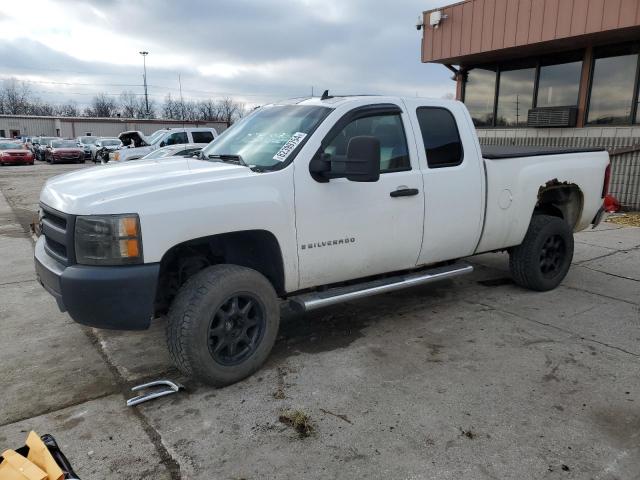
404	192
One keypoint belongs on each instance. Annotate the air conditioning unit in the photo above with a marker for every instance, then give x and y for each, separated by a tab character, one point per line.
552	117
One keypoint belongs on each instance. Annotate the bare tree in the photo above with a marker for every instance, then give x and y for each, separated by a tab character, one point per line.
16	97
69	109
229	110
207	110
129	105
102	106
170	107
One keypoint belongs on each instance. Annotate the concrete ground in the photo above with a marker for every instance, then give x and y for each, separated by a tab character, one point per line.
469	379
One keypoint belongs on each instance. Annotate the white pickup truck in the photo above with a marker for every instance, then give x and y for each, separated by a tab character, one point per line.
312	202
137	145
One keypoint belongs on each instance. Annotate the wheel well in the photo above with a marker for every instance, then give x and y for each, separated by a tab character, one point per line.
563	200
256	249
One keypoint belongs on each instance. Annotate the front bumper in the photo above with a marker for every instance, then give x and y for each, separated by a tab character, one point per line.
118	298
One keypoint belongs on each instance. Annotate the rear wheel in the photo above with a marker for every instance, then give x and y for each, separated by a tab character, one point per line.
543	259
223	324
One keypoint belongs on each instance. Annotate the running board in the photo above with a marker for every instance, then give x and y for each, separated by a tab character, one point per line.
313	300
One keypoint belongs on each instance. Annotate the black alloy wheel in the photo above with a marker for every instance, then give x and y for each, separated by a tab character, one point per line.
552	255
236	329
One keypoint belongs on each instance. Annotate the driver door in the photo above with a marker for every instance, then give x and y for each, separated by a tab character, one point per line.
347	229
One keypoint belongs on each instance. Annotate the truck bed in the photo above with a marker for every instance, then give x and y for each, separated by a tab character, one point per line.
499	152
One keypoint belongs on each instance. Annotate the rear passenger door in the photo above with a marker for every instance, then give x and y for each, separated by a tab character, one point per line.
453	177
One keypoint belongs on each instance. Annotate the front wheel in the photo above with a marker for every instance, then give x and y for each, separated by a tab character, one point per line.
222	324
543	259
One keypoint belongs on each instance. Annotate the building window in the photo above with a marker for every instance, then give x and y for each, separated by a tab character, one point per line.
612	88
558	85
479	94
515	97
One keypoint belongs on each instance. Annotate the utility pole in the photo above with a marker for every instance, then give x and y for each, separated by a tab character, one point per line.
146	95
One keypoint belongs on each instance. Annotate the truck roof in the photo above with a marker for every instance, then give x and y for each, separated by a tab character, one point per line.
336	100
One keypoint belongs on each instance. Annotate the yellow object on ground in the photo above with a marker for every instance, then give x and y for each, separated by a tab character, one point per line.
37	465
16	467
39	455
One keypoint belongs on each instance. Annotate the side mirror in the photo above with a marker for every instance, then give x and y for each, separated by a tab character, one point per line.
361	164
363	159
163	144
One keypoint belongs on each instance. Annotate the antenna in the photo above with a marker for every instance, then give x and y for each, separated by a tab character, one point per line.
325	95
181	99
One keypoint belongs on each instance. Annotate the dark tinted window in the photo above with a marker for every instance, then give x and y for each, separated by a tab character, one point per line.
202	137
558	84
176	138
515	97
394	154
612	89
479	95
440	136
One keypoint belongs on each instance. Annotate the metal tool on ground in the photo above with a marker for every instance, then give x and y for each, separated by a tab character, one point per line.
167	388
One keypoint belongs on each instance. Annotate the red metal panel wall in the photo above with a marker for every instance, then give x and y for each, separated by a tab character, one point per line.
476	26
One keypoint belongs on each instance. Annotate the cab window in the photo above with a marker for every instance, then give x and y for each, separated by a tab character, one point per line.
388	129
176	138
202	137
440	136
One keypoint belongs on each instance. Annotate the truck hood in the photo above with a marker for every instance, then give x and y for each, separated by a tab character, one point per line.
113	188
135	136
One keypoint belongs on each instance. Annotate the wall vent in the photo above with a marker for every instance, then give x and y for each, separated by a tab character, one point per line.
552	117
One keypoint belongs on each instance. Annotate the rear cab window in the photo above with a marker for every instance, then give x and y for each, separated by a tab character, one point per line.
440	136
202	137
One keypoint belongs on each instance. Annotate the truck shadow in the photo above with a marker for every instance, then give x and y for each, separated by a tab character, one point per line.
339	326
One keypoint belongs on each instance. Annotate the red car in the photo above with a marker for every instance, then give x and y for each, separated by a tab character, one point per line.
14	153
63	151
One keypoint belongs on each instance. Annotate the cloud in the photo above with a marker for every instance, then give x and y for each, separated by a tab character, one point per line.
255	50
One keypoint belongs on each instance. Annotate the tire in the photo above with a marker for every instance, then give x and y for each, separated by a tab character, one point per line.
543	259
203	323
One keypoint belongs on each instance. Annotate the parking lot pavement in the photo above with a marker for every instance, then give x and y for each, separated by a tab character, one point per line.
473	378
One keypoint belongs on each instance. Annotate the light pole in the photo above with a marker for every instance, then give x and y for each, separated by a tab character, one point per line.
146	95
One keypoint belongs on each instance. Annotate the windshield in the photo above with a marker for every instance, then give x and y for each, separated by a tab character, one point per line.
9	146
45	140
110	142
155	136
267	137
64	144
161	153
88	140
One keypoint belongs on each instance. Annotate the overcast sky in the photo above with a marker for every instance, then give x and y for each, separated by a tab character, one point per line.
256	51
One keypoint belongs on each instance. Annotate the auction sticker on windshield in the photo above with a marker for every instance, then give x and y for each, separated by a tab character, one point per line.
289	146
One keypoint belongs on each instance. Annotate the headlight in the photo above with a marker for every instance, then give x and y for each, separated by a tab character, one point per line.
116	156
108	239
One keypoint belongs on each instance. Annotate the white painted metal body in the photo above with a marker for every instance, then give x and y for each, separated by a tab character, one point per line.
127	153
480	205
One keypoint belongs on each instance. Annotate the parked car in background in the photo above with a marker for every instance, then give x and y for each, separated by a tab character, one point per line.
14	153
59	151
102	147
183	150
85	143
138	145
41	145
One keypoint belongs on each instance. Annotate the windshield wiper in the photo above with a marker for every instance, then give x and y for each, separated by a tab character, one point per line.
237	159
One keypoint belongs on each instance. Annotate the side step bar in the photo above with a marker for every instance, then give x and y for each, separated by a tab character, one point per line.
313	300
